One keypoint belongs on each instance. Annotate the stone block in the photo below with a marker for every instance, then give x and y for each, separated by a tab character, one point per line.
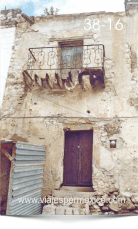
48	210
135	200
101	204
87	209
105	208
82	211
69	211
76	211
129	205
60	210
114	207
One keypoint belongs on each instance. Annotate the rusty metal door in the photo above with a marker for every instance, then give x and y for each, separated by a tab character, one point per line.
78	158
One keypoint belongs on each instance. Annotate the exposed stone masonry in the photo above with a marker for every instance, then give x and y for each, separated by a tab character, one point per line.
9	17
89	203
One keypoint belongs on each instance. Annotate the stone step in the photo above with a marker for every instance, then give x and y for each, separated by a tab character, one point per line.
77	189
49	210
72	194
66	201
63	210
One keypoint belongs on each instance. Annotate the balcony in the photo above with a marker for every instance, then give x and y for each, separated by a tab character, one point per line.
67	64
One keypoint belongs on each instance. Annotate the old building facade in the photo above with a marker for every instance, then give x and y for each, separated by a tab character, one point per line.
72	87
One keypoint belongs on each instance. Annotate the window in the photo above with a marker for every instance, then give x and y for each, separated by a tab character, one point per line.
71	57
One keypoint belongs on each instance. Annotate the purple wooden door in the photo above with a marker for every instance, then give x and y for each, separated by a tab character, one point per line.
78	158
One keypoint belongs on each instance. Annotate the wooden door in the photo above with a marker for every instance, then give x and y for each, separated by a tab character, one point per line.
78	158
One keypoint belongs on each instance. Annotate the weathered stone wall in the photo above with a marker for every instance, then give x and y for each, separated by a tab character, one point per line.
7	39
112	110
9	17
131	6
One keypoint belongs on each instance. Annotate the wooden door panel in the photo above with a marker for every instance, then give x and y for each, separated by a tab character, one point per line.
85	159
78	158
71	159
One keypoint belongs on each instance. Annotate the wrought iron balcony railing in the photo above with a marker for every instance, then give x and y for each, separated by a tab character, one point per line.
67	58
66	65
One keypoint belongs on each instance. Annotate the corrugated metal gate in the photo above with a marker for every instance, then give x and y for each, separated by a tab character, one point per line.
26	180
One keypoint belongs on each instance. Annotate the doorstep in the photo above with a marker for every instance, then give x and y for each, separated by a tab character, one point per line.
77	189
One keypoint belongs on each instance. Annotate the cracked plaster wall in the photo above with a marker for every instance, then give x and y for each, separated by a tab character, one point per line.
112	168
